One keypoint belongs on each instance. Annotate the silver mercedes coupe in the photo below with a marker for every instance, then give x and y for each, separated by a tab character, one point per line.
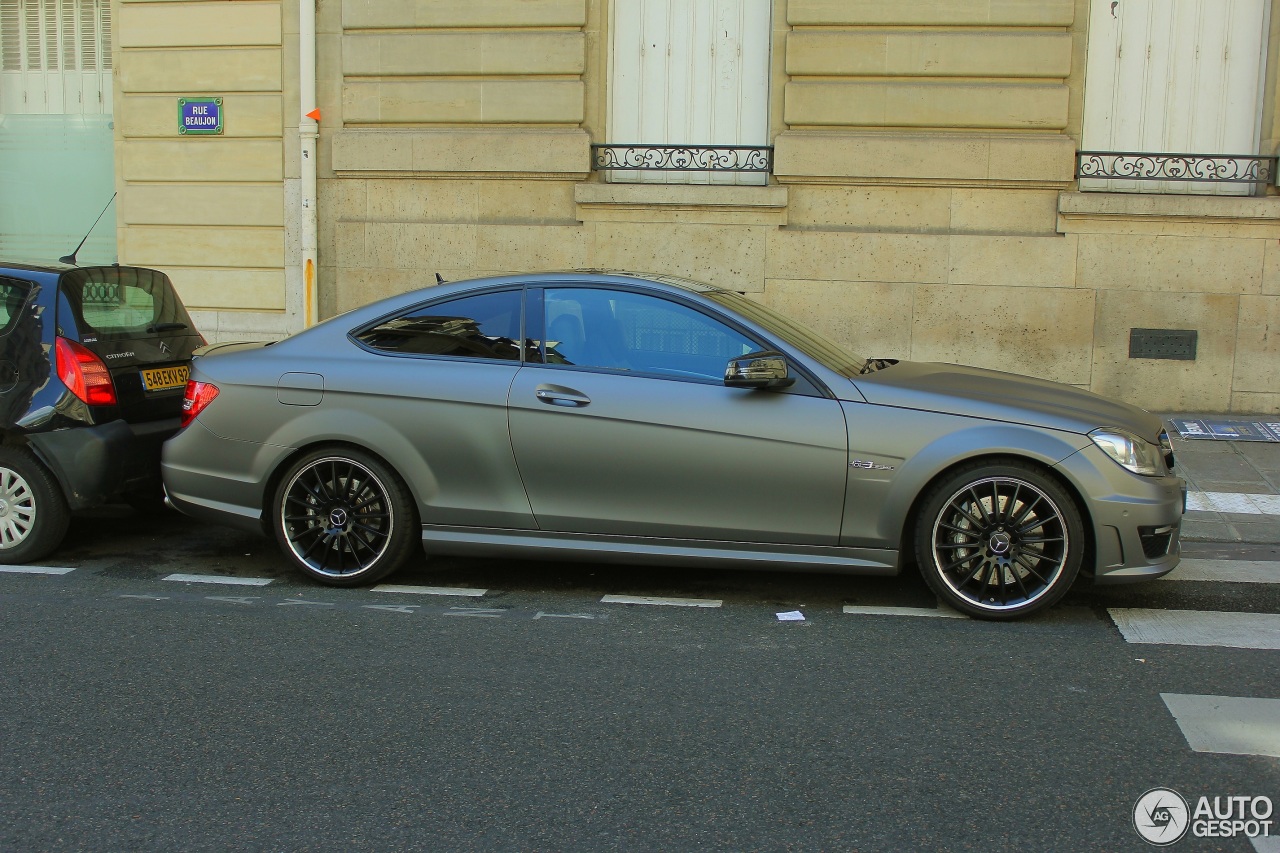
622	418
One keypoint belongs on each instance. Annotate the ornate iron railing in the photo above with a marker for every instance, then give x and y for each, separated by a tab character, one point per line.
1144	166
683	158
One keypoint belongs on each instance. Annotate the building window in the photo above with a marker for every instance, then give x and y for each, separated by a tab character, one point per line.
689	73
1174	77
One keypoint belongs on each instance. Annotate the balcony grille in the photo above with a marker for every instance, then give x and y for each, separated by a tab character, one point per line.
1147	166
682	158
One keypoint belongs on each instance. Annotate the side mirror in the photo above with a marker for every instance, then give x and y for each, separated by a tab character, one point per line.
765	369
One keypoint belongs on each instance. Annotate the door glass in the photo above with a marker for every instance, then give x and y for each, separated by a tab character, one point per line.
482	326
621	330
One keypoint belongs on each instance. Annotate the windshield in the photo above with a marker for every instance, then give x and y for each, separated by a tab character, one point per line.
830	354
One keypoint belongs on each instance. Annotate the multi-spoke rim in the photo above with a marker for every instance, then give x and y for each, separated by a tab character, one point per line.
17	509
336	517
1000	543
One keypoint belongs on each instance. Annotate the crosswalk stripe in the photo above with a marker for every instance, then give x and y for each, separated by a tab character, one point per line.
36	570
218	579
1227	724
1233	502
1229	571
871	610
669	602
1199	628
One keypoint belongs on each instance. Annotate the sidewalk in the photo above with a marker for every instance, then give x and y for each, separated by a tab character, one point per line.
1234	487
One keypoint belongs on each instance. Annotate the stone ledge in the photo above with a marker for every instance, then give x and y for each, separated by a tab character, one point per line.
498	152
725	205
924	157
1165	205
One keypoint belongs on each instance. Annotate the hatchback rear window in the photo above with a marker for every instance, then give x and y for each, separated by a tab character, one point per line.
123	302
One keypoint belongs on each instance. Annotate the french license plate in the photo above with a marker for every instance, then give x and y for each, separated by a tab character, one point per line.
165	378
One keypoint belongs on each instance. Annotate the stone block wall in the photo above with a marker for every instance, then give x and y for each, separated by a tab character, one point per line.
923	202
208	210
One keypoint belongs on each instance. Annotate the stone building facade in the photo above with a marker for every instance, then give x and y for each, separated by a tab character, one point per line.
921	201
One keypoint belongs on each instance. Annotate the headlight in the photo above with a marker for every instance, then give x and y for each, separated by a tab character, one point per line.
1133	452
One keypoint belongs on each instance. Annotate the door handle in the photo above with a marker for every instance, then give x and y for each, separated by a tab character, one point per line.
555	396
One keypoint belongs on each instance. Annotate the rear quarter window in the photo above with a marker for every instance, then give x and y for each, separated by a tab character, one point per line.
123	302
13	296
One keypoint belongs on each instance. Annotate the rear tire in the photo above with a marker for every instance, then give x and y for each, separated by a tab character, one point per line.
999	540
33	512
344	518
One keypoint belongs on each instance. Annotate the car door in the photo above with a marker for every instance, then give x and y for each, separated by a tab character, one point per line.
628	428
438	375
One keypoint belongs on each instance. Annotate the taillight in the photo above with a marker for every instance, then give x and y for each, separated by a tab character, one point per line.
84	374
196	399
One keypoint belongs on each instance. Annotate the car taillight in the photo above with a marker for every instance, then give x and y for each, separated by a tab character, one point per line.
196	399
84	374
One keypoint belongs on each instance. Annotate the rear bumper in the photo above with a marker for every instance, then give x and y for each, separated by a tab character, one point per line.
1136	520
95	465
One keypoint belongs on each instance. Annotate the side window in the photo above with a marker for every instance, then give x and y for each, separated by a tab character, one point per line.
483	326
622	330
13	295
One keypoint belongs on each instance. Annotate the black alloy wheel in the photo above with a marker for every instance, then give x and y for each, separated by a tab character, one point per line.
344	518
999	541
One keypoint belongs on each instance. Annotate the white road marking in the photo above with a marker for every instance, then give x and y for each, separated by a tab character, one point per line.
218	579
667	602
1199	628
429	590
939	612
1233	502
36	570
1227	724
1266	843
1229	571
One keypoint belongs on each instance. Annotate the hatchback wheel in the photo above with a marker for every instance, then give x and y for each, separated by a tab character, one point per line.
999	541
33	513
344	518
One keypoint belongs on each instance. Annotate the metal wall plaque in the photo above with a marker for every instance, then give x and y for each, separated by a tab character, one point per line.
199	116
1177	344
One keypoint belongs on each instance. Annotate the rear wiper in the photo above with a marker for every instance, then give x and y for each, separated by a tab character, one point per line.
165	327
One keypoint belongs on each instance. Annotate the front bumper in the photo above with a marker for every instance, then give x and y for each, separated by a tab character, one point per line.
97	464
1136	520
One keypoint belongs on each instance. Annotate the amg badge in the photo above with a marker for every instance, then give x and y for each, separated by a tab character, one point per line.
867	465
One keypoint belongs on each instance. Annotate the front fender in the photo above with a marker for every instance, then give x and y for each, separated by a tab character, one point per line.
919	446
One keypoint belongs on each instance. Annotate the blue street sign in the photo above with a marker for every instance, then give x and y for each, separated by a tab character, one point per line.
199	115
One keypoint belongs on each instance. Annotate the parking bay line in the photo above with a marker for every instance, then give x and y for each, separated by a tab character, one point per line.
1199	628
36	570
218	579
1230	725
870	610
667	602
1229	571
429	590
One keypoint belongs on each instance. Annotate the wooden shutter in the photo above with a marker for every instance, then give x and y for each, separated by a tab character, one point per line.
1174	76
689	72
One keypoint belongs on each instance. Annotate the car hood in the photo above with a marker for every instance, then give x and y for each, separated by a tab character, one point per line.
990	394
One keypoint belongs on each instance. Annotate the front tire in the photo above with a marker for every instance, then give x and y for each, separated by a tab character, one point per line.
33	512
344	518
999	540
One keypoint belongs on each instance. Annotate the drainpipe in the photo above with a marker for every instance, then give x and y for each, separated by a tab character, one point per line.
308	134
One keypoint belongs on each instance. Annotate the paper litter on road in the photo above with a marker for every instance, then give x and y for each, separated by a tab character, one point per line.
791	616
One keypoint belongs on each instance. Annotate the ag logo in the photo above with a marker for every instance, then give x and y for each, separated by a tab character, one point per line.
1161	817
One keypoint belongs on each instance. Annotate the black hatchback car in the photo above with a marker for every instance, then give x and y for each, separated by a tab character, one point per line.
93	365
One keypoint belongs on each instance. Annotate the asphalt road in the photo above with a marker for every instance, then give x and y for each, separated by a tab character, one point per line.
145	714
